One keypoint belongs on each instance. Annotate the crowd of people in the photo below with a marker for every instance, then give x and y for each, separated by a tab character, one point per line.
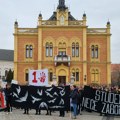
76	95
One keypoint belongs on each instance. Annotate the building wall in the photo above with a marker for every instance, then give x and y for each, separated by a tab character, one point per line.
66	33
5	65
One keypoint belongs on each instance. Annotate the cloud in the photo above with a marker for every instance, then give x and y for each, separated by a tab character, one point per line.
26	12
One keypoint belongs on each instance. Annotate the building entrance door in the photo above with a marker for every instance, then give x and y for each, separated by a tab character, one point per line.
62	80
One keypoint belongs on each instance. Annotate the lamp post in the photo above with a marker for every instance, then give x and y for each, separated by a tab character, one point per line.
72	79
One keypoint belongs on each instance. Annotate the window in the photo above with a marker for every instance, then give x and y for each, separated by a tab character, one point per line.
75	50
94	51
49	50
62	53
95	75
75	73
26	75
29	51
77	76
51	75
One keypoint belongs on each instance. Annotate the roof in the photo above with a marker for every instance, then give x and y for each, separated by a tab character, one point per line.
115	67
61	7
6	55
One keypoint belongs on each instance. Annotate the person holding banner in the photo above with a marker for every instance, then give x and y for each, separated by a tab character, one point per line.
74	99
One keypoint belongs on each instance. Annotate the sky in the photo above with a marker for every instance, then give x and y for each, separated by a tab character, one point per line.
26	13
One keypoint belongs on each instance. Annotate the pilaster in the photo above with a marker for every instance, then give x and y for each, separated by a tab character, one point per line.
108	54
84	50
15	49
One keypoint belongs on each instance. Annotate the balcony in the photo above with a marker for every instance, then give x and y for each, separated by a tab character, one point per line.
62	59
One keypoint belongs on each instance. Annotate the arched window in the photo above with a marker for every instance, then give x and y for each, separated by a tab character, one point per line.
26	75
27	51
73	49
31	51
92	51
77	49
93	75
47	49
96	75
50	75
96	51
51	50
73	72
77	74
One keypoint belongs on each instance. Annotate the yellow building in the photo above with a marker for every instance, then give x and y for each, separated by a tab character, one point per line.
65	46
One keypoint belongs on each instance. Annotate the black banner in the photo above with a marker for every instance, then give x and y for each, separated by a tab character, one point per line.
41	97
101	101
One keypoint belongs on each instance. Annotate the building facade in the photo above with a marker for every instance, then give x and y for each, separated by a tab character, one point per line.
6	62
65	46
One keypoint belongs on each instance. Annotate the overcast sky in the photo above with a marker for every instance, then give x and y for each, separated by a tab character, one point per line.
26	12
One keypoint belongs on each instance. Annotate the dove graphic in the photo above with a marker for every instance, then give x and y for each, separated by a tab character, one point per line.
18	90
49	89
23	99
39	92
62	92
52	101
15	95
35	99
55	94
48	94
61	102
43	104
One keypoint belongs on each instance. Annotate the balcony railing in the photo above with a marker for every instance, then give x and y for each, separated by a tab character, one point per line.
62	59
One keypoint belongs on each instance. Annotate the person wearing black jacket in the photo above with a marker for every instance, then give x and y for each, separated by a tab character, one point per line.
74	99
8	96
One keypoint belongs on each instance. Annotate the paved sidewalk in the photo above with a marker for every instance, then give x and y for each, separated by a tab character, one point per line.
17	114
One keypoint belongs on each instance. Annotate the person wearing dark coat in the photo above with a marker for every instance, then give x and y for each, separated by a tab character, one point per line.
74	99
8	97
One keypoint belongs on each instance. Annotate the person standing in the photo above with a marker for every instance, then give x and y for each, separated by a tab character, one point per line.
8	96
74	99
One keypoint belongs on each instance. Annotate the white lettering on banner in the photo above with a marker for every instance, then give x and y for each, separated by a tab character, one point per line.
38	77
97	97
107	97
111	109
89	103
